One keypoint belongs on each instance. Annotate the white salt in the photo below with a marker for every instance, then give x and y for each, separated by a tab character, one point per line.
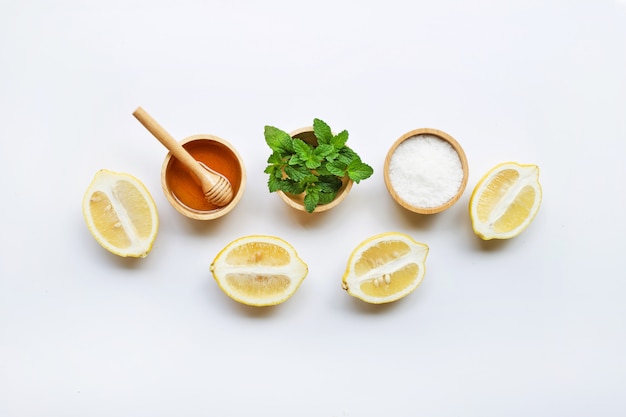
425	171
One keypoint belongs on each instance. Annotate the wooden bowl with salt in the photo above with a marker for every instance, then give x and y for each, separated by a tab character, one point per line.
426	171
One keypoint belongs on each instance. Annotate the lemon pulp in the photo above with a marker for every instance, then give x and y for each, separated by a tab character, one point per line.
259	270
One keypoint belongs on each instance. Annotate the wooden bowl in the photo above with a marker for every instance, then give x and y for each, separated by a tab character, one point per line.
182	189
426	132
297	200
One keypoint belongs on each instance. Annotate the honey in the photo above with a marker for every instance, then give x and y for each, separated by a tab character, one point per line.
183	185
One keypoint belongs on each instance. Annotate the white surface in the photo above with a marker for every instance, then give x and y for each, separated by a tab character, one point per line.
532	326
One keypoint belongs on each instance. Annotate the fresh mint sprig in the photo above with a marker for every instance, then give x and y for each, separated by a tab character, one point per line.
296	166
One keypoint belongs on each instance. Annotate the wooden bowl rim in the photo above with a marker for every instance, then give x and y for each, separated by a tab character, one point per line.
294	200
464	165
197	214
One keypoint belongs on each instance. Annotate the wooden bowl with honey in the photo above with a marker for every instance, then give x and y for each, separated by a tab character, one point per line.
182	188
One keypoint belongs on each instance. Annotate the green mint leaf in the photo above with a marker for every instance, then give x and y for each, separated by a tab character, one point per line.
326	198
337	168
333	155
313	162
358	170
339	141
310	179
324	151
329	183
298	188
302	149
312	198
295	160
291	187
306	153
275	158
278	140
322	132
297	173
270	170
322	169
273	184
347	155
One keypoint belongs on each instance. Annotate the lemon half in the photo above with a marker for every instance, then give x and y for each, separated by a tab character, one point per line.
505	200
259	270
121	214
385	268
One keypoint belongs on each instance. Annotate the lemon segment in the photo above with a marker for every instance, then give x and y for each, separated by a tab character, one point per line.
259	253
385	268
120	214
258	286
505	201
259	270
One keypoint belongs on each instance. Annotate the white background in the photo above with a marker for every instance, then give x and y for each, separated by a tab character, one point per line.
534	326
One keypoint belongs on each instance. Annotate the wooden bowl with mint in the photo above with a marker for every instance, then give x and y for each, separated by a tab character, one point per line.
312	169
426	171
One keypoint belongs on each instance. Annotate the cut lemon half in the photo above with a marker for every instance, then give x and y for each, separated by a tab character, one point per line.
385	268
121	214
259	270
505	201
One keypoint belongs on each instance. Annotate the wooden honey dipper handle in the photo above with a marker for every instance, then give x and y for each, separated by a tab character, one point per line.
170	143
